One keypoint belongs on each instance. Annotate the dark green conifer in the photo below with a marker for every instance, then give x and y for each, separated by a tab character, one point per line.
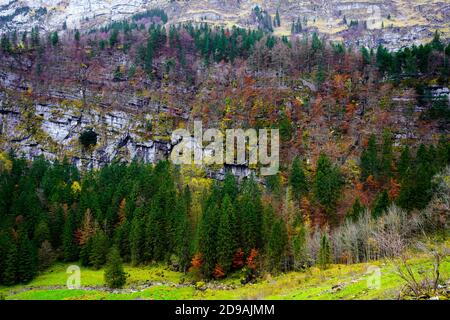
114	276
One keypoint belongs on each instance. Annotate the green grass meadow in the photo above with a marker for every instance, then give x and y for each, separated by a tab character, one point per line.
158	283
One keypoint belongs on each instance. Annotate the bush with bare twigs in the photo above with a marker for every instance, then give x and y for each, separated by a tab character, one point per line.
423	284
387	236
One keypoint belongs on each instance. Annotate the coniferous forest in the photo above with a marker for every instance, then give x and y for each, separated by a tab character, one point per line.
163	213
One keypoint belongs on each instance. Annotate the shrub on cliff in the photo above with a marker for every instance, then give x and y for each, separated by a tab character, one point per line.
88	138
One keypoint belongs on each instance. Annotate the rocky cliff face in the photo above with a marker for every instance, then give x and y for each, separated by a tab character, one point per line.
53	130
49	123
49	97
393	23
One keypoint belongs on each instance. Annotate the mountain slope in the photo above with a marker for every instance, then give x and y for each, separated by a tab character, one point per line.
392	22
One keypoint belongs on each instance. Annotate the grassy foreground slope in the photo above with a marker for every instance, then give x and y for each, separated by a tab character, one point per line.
159	283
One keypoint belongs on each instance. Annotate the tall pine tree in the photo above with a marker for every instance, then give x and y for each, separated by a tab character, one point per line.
277	245
327	184
226	237
297	180
26	267
114	276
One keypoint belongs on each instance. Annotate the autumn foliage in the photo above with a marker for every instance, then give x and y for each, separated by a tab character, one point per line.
218	272
252	259
238	259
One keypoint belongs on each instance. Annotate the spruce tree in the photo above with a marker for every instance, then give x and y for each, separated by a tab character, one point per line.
369	160
77	36
9	275
230	186
208	231
277	22
297	180
148	57
56	226
183	230
365	55
327	183
70	248
416	187
114	276
114	38
5	44
85	253
381	204
99	249
356	210
158	245
4	248
35	38
276	248
273	184
321	75
54	38
316	43
46	255
24	39
137	238
121	240
299	249
404	163
324	257
436	43
41	233
26	267
225	236
443	152
250	215
423	174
